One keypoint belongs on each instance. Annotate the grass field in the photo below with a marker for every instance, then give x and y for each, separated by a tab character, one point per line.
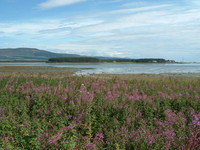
45	111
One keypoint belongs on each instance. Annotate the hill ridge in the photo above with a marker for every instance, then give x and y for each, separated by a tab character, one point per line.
29	54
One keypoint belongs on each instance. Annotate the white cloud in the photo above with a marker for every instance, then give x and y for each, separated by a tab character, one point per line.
117	13
85	48
135	10
45	28
11	29
195	2
143	19
152	30
57	3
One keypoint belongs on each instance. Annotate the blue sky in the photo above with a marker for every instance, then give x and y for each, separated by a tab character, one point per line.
167	29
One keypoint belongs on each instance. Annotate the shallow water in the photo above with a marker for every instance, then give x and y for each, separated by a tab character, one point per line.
131	68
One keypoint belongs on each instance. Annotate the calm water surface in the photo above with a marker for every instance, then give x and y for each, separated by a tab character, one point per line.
121	68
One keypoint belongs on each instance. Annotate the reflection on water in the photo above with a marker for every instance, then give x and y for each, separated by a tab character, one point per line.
121	68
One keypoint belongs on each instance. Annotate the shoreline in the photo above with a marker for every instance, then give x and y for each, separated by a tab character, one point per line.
105	63
64	71
45	62
69	63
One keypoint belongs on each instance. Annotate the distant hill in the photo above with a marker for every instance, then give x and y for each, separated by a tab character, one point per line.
29	55
36	55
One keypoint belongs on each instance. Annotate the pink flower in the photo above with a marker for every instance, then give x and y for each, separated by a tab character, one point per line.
59	112
90	146
69	117
68	128
196	120
71	102
151	139
64	98
52	141
169	134
99	135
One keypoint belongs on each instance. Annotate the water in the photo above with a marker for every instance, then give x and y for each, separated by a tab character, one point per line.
120	68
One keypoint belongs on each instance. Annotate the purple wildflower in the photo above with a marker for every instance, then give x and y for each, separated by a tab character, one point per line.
90	146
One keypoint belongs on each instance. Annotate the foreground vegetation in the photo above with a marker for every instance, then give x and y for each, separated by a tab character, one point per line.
99	113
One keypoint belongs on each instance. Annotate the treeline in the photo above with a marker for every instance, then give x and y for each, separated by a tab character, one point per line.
96	60
73	59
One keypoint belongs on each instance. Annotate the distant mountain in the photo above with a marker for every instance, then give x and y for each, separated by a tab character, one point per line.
29	55
36	55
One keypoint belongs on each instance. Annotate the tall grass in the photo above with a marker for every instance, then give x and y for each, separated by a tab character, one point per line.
95	113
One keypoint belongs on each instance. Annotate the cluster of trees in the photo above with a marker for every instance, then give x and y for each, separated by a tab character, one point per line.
95	60
152	60
73	59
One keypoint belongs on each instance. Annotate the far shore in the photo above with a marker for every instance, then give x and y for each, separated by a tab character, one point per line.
105	63
96	62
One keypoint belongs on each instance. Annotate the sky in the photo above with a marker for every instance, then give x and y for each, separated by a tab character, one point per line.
168	29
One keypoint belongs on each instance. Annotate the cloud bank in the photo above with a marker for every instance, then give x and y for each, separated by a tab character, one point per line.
57	3
165	30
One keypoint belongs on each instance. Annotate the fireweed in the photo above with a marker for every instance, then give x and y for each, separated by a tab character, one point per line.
92	113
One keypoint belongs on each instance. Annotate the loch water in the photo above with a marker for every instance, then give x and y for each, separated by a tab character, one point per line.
116	68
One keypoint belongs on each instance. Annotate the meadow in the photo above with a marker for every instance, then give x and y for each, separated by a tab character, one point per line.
74	113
